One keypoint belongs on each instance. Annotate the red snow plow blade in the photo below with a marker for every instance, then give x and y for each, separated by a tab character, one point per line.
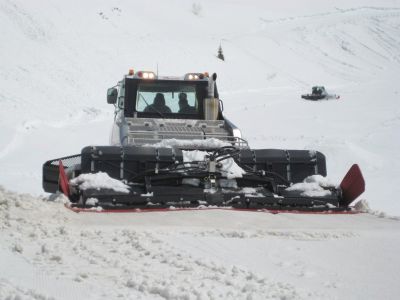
63	180
352	185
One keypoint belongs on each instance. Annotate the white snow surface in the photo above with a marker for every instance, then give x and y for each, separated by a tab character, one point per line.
58	58
50	252
98	181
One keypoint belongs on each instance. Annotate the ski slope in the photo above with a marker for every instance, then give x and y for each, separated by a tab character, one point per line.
58	58
51	252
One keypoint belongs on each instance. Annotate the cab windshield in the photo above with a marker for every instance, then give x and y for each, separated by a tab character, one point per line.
166	98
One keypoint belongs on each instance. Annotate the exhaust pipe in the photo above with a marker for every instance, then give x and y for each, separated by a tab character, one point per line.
211	103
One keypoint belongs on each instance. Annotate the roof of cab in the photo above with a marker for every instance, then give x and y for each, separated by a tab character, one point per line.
149	75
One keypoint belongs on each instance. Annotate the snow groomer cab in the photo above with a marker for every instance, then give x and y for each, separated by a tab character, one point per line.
150	108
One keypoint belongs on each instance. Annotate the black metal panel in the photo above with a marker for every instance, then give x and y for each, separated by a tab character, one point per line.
321	163
302	164
137	160
102	159
127	162
293	165
177	155
272	160
247	157
165	157
50	178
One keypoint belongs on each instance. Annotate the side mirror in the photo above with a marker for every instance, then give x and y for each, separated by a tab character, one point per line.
112	95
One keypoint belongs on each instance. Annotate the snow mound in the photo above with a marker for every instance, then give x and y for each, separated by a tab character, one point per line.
363	206
313	186
9	291
25	202
98	181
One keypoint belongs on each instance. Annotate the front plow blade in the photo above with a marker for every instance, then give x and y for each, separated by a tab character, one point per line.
352	185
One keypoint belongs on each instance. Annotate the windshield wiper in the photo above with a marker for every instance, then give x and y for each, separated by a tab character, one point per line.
152	107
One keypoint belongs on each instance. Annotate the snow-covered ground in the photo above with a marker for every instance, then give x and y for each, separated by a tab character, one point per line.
49	252
58	58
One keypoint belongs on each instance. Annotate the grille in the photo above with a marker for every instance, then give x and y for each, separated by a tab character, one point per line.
67	161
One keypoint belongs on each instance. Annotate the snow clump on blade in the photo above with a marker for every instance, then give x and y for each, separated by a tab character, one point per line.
92	201
313	186
99	180
321	180
208	143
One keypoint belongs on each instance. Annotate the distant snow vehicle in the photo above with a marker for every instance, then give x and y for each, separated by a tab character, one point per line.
319	93
172	146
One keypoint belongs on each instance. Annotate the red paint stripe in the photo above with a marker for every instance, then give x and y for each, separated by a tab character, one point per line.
149	210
